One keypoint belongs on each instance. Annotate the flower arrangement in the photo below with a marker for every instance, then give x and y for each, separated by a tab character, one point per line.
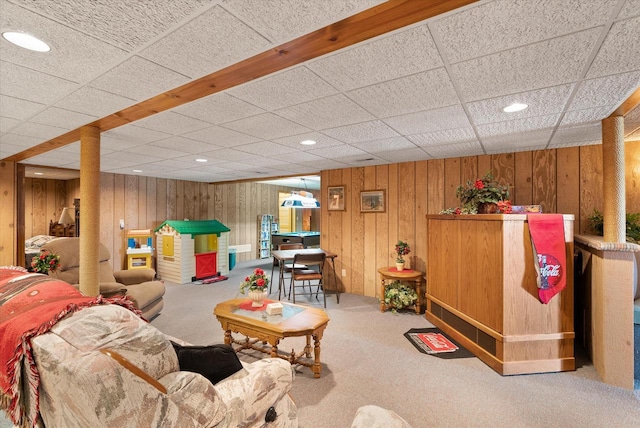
485	190
257	281
398	296
402	249
45	262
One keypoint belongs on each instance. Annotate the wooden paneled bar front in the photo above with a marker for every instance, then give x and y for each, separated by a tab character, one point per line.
482	290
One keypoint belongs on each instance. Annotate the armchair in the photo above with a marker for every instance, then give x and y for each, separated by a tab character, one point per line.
138	284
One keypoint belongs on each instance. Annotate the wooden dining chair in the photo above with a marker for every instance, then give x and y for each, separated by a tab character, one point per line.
314	272
287	266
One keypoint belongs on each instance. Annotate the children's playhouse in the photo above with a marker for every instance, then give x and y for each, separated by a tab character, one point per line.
189	250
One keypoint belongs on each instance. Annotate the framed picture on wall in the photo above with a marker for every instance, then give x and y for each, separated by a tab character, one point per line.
336	198
372	201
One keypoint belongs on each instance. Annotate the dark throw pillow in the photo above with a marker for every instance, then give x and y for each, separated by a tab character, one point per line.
215	362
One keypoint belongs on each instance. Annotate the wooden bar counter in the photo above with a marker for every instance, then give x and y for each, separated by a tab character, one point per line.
482	290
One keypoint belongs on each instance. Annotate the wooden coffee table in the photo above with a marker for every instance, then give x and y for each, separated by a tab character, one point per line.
261	329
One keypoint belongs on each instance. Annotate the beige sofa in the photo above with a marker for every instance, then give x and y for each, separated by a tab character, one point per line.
138	284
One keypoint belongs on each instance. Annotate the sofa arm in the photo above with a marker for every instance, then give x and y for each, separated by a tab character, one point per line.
134	276
249	393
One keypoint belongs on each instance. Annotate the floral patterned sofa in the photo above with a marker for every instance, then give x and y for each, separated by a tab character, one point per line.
62	370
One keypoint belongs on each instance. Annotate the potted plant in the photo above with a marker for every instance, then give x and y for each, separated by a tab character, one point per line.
398	295
256	287
482	196
402	249
596	222
45	262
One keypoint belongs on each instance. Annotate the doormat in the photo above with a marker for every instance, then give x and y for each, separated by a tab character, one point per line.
413	336
211	279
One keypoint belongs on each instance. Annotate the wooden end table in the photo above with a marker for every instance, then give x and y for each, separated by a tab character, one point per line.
410	276
295	321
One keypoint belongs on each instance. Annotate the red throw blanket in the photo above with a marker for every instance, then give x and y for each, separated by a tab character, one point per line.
550	260
31	304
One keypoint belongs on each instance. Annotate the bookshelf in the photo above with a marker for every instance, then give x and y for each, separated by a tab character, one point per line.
267	225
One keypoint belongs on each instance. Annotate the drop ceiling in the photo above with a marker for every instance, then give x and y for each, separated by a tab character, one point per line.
434	89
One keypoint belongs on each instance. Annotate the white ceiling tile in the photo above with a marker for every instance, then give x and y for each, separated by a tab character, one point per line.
210	42
19	140
68	46
63	118
156	152
7	124
337	152
133	135
294	86
126	78
299	156
541	102
461	135
630	8
230	155
549	63
506	24
429	121
94	102
449	150
422	91
264	148
218	109
321	140
577	134
120	22
266	126
184	144
400	54
384	145
21	82
284	20
175	164
603	91
517	126
373	130
172	123
359	161
319	165
222	137
407	155
503	143
576	117
620	51
37	130
329	112
16	108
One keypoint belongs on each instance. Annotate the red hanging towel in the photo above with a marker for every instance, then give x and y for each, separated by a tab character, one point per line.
550	260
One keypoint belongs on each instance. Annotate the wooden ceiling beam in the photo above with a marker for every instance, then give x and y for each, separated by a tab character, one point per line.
373	22
628	105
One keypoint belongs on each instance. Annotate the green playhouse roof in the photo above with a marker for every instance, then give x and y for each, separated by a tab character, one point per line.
195	227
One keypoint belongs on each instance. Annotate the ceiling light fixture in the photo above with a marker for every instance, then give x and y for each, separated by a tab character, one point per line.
201	160
512	108
26	41
137	170
307	142
301	199
38	173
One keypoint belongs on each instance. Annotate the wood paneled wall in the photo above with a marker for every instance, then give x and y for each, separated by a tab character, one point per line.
567	181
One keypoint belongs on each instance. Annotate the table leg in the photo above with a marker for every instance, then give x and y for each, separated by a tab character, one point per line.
307	348
317	368
274	348
418	292
382	304
227	337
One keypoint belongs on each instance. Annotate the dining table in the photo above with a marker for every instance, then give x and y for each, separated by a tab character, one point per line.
283	256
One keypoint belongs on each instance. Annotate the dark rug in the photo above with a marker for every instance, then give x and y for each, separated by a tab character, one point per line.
461	352
211	279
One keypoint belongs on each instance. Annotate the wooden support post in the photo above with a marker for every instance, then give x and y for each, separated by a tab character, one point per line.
90	213
614	185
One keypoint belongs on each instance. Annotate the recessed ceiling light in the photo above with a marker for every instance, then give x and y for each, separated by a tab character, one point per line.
38	173
26	41
137	170
307	142
515	107
201	160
